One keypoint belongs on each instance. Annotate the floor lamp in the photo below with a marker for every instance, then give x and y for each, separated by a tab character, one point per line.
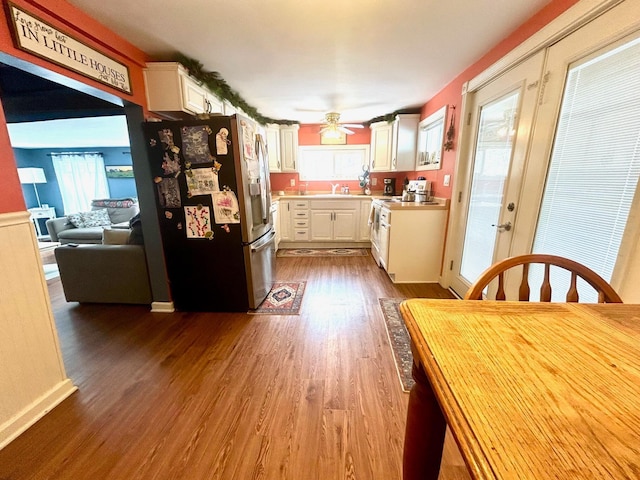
32	176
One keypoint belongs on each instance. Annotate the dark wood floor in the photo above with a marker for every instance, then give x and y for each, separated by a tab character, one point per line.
229	396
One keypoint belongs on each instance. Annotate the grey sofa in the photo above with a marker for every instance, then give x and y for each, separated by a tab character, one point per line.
104	273
120	211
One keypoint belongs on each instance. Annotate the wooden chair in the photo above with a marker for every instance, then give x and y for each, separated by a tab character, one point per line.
606	294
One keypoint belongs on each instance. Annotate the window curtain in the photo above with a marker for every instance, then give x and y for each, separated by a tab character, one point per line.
81	178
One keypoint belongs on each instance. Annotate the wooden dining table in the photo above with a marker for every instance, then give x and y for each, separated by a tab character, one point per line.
528	390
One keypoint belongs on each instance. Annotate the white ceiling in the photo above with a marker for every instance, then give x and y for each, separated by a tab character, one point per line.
298	59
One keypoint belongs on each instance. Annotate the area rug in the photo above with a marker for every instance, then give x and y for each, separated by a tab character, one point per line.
398	339
323	252
284	298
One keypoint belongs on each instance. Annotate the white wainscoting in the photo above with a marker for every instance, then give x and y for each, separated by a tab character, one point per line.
32	375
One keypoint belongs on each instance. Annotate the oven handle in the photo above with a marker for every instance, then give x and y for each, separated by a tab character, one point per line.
262	244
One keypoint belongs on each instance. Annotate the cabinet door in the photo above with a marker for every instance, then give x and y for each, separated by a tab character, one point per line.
345	225
284	219
193	97
405	141
321	225
364	233
273	148
381	143
289	148
275	221
229	109
213	104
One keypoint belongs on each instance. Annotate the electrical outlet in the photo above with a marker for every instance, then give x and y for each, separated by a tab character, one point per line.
447	180
292	182
374	181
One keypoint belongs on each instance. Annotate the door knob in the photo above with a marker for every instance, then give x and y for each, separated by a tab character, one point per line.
503	227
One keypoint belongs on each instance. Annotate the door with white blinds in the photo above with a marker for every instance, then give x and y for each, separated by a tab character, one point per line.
582	202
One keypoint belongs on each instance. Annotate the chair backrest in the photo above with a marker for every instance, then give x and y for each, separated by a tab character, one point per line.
606	293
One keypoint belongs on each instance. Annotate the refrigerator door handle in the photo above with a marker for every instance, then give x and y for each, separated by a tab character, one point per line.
263	243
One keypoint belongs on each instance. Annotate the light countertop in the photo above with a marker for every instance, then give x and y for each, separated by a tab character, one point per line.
392	203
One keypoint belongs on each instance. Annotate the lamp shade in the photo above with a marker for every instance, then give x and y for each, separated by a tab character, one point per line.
32	175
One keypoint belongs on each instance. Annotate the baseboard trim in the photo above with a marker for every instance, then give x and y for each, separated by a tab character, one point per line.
21	422
162	307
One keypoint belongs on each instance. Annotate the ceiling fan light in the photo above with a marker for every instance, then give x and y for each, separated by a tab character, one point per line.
331	133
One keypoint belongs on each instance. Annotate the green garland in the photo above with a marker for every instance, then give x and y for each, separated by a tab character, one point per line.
221	88
391	116
216	84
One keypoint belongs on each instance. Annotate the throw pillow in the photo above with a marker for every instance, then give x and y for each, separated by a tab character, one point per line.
115	236
96	218
76	220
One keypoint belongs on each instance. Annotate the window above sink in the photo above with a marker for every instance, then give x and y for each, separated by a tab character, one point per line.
327	163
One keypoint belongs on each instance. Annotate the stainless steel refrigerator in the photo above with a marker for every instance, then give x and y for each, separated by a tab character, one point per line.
213	202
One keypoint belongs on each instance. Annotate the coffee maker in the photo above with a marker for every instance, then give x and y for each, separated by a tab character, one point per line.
389	187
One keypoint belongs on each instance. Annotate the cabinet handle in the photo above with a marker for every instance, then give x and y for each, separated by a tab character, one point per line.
395	162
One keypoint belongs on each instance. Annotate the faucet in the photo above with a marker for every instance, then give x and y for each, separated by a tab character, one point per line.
333	188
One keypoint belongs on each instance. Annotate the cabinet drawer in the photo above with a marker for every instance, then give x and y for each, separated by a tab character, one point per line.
301	204
303	223
301	234
300	214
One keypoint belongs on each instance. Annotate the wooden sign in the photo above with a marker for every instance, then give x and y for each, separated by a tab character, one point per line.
41	39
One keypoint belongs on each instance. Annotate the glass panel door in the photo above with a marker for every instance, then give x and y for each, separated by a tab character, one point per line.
502	113
493	150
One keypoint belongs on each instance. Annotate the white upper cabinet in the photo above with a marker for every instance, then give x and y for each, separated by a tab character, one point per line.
381	141
289	148
393	145
173	94
272	133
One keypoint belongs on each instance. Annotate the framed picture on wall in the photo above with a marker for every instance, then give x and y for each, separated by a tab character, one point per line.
119	171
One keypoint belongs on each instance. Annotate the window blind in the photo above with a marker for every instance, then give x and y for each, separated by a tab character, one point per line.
595	164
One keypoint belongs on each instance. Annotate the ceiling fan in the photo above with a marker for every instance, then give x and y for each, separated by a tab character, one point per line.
333	128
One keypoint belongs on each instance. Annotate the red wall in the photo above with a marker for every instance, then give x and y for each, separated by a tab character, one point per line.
76	23
452	94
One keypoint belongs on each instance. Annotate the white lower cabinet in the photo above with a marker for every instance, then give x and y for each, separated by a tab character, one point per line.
334	220
411	244
284	220
334	225
294	220
364	233
325	222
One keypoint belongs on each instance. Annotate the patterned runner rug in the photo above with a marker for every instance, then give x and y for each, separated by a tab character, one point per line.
323	252
398	339
284	298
